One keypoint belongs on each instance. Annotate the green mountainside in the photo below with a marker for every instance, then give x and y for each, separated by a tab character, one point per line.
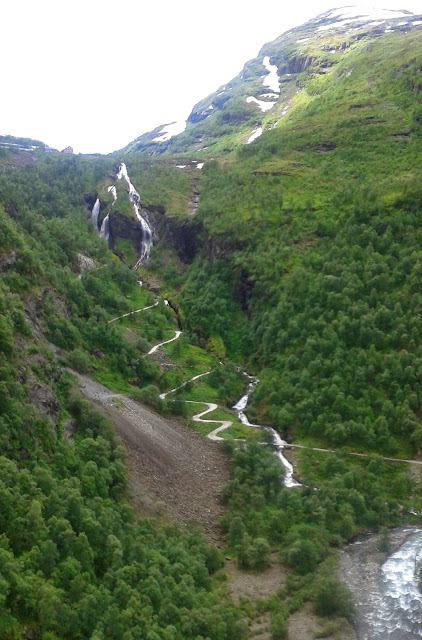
286	76
296	257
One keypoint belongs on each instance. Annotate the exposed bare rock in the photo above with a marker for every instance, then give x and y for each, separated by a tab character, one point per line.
42	398
7	260
69	428
168	462
85	263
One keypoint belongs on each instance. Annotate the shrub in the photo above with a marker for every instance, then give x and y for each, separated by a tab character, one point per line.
79	360
278	627
332	597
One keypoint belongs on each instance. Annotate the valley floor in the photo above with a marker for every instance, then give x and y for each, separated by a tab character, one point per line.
171	468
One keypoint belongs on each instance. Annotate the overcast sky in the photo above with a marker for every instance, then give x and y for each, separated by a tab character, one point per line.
96	74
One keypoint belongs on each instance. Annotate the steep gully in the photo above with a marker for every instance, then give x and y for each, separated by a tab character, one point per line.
389	602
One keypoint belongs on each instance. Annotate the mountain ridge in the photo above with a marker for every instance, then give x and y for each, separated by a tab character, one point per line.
225	108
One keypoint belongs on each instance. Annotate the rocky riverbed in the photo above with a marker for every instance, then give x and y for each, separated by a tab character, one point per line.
384	586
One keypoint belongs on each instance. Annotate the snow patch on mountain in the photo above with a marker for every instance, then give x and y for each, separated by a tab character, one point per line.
368	13
170	130
264	106
351	14
255	135
271	80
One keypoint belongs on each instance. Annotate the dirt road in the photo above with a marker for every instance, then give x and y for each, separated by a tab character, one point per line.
167	461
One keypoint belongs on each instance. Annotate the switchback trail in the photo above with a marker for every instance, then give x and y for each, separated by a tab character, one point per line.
224	424
167	461
157	346
163	395
130	313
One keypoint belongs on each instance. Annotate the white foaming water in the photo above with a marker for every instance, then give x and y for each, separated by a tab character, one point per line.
271	80
95	214
113	191
277	441
105	229
135	199
402	618
394	611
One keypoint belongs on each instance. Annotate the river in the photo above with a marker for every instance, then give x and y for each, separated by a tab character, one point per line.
385	590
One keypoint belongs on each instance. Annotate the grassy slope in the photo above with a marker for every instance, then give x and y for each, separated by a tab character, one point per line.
341	167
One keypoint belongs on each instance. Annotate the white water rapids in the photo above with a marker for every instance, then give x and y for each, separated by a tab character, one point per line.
400	615
387	598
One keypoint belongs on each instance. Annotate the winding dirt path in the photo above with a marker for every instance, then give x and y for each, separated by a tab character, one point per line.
168	462
130	313
163	395
157	346
224	424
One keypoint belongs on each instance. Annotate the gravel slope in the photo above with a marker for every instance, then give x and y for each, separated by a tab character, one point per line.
167	461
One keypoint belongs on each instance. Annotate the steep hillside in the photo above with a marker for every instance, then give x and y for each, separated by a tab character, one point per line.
278	81
75	562
295	257
312	233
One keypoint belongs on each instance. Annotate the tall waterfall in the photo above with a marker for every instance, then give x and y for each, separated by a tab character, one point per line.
141	216
105	229
95	214
135	199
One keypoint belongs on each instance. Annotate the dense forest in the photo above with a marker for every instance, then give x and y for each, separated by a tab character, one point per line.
300	265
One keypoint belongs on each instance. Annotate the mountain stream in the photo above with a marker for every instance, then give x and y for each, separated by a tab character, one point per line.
388	601
278	443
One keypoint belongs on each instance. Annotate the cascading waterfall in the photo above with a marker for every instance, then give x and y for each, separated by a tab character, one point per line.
105	229
95	214
135	199
141	216
113	191
278	443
